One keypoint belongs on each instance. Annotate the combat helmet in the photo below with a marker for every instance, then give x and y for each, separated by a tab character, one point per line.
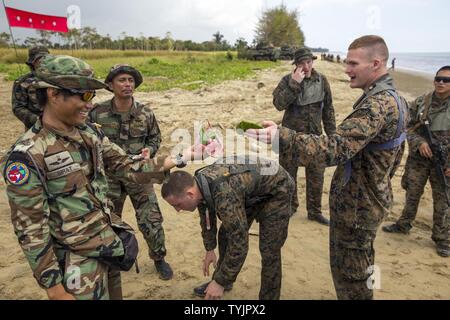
35	53
124	68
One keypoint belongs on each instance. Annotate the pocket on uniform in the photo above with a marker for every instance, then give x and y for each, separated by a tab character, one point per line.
138	130
354	264
66	180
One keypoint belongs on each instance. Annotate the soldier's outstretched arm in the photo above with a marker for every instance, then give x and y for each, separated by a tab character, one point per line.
352	135
30	215
142	171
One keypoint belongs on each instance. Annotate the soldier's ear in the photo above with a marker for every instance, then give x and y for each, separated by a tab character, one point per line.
52	93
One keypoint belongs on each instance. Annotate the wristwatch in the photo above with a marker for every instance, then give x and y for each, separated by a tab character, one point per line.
179	161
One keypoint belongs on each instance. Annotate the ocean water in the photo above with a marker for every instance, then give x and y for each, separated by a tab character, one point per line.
428	62
424	62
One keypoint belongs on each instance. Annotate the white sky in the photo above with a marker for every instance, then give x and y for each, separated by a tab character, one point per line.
406	25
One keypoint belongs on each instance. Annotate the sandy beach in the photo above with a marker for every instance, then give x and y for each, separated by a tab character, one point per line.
410	268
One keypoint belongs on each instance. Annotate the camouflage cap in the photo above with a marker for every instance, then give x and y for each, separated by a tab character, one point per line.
35	53
303	53
124	68
66	72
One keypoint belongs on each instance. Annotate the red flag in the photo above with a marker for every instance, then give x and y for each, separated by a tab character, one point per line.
25	19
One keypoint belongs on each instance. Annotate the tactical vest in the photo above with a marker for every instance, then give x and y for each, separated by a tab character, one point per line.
207	185
439	117
313	92
400	135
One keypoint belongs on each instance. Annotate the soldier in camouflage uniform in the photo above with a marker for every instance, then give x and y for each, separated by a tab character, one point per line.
56	185
24	101
419	168
133	127
305	95
367	149
237	191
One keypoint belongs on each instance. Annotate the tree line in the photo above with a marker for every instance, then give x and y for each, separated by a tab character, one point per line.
276	27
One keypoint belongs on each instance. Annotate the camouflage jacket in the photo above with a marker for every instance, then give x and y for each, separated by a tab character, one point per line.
133	131
24	101
239	193
306	118
359	201
56	186
439	116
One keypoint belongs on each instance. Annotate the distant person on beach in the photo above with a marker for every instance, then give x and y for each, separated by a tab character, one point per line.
367	148
133	127
25	104
434	106
393	64
305	97
237	193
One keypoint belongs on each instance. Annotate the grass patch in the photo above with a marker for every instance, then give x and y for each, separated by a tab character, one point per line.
162	70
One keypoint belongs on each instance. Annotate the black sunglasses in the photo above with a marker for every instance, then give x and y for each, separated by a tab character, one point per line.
443	79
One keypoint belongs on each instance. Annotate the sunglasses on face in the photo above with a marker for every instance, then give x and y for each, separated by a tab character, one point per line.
86	96
443	79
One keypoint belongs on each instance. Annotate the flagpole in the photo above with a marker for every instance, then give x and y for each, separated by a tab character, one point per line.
10	30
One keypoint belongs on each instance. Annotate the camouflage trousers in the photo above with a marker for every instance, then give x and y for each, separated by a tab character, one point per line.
148	214
351	256
314	185
273	218
417	172
87	278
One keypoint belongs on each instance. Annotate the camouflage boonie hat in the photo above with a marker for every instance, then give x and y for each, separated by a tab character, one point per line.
66	72
303	53
124	68
35	53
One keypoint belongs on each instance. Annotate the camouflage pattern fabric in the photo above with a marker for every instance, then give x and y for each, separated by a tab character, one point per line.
419	169
24	102
306	119
56	186
35	53
134	131
66	72
358	206
241	194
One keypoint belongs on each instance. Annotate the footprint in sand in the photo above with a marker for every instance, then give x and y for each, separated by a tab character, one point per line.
405	251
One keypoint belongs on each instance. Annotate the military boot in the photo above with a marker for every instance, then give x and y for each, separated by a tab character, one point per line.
200	290
164	269
319	218
395	228
443	250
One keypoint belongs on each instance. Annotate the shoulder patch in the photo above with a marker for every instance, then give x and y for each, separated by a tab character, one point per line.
17	173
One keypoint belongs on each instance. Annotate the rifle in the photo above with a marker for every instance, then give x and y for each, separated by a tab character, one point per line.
439	158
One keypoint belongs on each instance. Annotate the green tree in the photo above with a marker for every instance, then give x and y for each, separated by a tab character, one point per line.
45	38
280	27
4	39
240	44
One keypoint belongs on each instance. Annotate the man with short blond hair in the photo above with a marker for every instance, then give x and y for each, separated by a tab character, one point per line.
366	148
